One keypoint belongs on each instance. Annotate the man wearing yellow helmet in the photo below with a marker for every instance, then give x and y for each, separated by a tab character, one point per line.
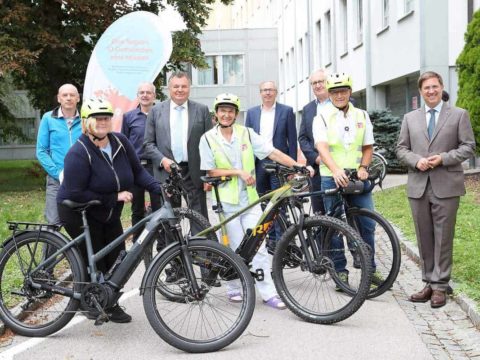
229	149
344	138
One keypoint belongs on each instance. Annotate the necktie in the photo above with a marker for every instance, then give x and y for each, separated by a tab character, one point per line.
177	136
431	123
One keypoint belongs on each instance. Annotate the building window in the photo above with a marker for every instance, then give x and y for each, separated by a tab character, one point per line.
385	12
408	6
292	69
209	76
359	20
282	75
300	60
222	70
344	25
318	44
232	69
328	38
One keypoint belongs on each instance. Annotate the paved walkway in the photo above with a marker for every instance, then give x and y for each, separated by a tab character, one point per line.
388	327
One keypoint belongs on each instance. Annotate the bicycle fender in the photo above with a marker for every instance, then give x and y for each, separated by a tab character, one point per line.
55	233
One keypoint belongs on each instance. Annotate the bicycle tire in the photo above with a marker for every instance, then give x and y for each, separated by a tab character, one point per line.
379	165
387	248
312	295
181	213
189	325
33	312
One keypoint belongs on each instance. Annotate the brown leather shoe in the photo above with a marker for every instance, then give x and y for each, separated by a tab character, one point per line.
438	299
421	296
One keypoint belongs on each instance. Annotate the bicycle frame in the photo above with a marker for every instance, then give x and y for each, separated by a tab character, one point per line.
253	238
128	264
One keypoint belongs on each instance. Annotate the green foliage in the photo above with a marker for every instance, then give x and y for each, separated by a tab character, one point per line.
45	44
386	128
21	175
9	131
468	67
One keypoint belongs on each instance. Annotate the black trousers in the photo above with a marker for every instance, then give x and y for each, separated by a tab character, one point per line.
102	233
138	201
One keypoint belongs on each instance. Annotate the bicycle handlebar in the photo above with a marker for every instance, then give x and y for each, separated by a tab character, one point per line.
285	170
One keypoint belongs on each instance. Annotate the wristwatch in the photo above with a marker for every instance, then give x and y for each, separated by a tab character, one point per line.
363	166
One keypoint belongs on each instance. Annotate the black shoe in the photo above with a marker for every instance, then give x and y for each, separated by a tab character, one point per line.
173	275
117	315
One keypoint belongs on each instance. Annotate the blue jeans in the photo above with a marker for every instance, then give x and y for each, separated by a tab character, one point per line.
367	225
267	182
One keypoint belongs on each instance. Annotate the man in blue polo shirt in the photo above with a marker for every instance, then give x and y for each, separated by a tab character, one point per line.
59	129
133	127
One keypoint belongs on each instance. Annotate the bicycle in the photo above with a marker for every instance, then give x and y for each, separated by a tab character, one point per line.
387	252
191	221
312	254
379	165
39	296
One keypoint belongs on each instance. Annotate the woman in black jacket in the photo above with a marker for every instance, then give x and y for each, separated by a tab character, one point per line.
101	165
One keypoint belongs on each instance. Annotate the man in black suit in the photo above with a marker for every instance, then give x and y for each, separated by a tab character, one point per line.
172	134
305	135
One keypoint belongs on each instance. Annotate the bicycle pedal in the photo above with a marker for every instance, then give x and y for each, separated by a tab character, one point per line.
259	275
101	319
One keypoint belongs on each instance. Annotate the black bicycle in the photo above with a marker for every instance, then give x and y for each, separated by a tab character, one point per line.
39	296
387	252
303	269
191	221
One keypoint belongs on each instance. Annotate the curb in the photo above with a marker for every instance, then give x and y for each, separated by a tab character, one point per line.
465	303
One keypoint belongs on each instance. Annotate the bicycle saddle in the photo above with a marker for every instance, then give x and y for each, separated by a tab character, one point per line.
215	180
80	206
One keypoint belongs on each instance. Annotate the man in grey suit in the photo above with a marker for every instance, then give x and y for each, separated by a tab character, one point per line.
172	134
434	141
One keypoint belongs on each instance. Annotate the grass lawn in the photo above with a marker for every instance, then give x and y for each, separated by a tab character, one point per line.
393	204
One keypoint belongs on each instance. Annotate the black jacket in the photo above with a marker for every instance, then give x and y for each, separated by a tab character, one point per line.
90	175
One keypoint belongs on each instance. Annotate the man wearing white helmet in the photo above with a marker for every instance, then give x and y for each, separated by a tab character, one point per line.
344	139
229	149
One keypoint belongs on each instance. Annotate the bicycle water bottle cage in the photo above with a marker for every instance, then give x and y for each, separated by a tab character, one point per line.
354	187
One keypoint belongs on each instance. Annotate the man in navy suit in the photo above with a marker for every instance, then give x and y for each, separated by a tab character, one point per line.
305	135
275	122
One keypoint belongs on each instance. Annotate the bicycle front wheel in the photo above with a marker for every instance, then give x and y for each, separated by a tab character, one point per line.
315	292
387	252
191	222
206	322
30	311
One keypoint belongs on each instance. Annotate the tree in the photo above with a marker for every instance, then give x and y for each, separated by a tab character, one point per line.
386	128
468	67
44	44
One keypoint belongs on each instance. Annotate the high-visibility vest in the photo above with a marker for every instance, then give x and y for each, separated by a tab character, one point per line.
345	157
228	191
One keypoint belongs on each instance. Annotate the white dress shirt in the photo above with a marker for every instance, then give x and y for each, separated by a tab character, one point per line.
173	118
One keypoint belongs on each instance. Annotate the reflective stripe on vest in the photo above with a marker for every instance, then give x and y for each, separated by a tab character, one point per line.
228	191
345	158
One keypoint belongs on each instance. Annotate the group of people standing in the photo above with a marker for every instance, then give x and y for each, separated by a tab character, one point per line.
85	160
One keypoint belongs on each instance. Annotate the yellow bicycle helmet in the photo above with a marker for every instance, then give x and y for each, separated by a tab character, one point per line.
338	80
227	99
92	107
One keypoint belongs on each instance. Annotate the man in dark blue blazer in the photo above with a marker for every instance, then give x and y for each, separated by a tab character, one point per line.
305	135
276	123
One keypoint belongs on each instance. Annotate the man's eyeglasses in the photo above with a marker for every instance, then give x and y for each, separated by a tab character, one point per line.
145	93
267	90
318	82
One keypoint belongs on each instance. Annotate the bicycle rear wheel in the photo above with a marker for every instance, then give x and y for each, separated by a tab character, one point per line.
209	322
378	166
387	254
318	294
191	222
35	312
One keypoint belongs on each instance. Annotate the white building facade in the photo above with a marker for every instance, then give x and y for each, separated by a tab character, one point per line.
383	44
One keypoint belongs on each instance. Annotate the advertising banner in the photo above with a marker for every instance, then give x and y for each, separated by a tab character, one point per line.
132	50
